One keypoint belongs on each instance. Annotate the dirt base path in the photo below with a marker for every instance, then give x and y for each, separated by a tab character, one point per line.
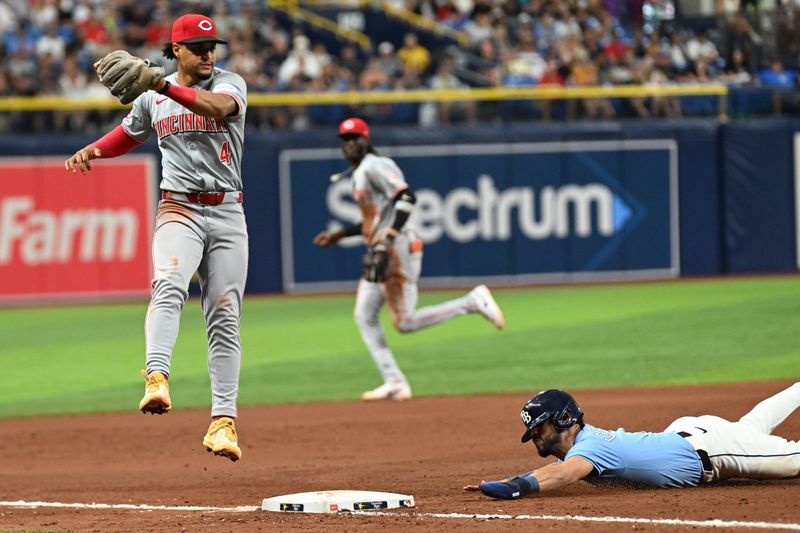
428	447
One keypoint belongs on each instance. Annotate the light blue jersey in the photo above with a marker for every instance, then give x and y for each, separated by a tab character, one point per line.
660	459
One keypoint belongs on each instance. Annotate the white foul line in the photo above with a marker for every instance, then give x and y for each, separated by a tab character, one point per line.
556	518
128	506
603	519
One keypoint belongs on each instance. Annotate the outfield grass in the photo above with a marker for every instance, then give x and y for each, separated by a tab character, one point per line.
87	358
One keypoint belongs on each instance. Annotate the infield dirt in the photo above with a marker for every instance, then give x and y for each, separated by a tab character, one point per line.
428	447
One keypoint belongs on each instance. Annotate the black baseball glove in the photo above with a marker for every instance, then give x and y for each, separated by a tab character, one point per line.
376	262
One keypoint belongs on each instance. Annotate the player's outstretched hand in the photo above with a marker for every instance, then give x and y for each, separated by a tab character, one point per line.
504	489
82	159
326	238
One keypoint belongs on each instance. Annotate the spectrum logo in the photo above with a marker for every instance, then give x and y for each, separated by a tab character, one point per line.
486	213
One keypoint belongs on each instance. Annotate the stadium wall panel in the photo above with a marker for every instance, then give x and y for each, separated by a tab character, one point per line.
733	209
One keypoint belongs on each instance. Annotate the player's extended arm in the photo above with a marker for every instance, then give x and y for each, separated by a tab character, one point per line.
115	143
545	479
329	238
205	103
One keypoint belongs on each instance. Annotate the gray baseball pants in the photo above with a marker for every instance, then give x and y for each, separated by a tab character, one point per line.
212	241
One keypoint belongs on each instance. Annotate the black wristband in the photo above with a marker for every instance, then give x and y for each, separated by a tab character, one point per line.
354	229
527	484
165	88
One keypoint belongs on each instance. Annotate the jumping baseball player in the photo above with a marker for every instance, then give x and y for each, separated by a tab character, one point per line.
198	115
692	450
394	259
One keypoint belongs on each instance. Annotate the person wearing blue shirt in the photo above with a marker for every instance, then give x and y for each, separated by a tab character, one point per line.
690	451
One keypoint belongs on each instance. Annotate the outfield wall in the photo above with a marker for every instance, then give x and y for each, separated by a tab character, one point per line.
514	204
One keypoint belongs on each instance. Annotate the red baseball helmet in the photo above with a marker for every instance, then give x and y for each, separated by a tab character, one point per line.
195	28
353	126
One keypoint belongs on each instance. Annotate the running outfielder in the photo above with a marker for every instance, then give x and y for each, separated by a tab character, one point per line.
691	451
394	259
198	114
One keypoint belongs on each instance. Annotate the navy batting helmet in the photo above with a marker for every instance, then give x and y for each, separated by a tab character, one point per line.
553	404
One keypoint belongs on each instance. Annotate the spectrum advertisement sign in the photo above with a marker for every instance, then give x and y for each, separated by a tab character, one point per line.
67	236
498	213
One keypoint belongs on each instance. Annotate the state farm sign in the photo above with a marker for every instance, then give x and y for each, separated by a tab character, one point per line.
65	235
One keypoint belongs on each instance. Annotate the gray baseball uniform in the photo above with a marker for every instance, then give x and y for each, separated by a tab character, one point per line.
382	179
198	234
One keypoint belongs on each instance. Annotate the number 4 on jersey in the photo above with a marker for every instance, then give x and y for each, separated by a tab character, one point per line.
225	154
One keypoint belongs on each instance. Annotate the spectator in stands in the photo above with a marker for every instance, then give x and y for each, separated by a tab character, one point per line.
678	56
459	111
781	81
736	72
320	53
667	106
526	60
301	62
10	14
51	43
551	76
135	18
269	30
545	32
516	42
373	78
701	47
414	55
451	16
42	13
478	29
389	64
92	31
583	72
348	58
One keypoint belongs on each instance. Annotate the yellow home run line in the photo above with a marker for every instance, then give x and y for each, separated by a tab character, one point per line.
20	504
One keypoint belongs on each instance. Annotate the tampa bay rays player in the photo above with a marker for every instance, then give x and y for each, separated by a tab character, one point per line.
198	115
692	450
394	259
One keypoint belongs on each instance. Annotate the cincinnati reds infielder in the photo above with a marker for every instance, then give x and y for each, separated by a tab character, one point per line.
198	115
394	261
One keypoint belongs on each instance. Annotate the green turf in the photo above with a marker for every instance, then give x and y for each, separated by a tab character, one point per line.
87	358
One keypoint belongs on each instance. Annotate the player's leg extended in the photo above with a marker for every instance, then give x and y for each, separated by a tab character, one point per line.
177	250
176	253
402	294
369	300
223	272
768	414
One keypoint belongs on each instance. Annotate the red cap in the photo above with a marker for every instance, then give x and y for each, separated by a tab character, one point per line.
194	28
353	126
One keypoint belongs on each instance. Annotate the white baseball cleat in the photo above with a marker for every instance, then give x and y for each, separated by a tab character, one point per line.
397	391
483	298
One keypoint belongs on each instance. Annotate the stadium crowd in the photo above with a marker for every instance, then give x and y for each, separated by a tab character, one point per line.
48	47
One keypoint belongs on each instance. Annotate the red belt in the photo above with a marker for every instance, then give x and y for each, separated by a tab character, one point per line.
202	198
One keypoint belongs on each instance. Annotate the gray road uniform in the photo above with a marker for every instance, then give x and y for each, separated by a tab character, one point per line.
381	179
200	227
